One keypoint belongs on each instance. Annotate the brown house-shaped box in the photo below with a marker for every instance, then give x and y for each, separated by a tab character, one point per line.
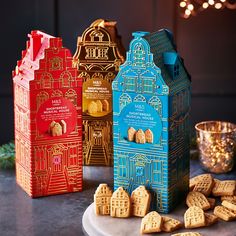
97	58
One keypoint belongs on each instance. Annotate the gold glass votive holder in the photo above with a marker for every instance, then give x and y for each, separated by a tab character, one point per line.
216	144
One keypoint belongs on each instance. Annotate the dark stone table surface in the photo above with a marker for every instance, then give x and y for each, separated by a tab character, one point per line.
59	215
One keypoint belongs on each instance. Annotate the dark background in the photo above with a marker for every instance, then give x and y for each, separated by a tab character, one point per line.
207	43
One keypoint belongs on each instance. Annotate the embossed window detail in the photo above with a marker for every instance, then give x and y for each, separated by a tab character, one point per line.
130	84
57	93
25	99
156	103
176	70
139	98
110	77
122	167
139	171
102	53
66	78
40	159
21	96
174	105
124	100
96	36
72	155
91	52
72	96
46	80
148	85
139	55
180	102
41	97
56	63
157	172
159	200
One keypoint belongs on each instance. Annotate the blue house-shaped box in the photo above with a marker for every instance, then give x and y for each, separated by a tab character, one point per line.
151	103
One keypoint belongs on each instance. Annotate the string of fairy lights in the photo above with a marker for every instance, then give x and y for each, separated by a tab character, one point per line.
193	7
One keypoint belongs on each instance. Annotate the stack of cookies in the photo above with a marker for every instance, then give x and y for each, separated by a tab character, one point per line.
119	204
198	201
202	197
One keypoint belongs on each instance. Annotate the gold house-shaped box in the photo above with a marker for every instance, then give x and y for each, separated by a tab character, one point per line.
97	58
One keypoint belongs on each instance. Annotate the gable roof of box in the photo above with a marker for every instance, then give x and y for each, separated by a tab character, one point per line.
161	42
39	48
152	53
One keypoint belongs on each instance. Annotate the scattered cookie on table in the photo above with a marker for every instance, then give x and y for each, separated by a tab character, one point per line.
102	200
120	204
187	234
228	198
193	181
151	223
194	217
210	219
197	199
169	224
204	185
224	188
140	201
212	202
230	205
224	213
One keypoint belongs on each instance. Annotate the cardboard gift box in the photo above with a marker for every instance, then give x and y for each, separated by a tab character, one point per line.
97	58
48	118
151	103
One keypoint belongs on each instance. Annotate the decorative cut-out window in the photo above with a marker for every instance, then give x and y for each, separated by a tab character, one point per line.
91	52
122	167
66	78
156	103
102	53
72	96
56	63
57	93
46	80
157	172
139	55
72	156
139	171
139	98
124	100
148	85
130	84
96	36
21	96
176	70
41	97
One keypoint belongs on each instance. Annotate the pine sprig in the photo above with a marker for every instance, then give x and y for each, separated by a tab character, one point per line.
7	155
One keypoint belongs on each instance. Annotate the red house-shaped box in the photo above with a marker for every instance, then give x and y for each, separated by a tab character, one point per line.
48	118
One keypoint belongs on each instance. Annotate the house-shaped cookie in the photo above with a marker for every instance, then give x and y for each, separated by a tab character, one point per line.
120	204
102	200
